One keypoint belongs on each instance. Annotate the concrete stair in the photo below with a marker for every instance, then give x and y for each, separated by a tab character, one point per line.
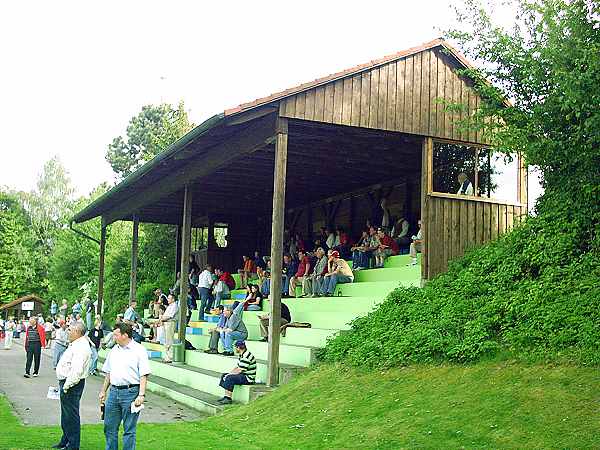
196	383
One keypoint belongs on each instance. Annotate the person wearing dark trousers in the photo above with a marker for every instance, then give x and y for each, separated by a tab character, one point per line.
35	339
71	372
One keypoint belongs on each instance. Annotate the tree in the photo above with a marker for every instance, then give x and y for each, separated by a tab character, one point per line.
547	65
148	133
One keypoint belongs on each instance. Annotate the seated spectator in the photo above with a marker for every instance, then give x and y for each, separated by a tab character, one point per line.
344	245
131	315
248	272
319	243
259	261
162	298
304	269
464	185
339	272
360	254
289	268
243	373
312	284
400	232
233	328
333	240
387	247
300	244
265	285
254	300
223	286
215	333
205	285
286	318
416	246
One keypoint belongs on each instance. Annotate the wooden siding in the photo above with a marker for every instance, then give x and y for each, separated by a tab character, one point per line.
455	225
406	95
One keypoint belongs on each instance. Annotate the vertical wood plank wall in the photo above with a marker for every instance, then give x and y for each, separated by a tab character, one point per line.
402	95
455	224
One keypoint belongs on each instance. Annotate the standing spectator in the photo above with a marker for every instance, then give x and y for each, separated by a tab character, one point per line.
9	329
53	309
127	369
243	373
168	320
89	314
339	272
416	246
71	372
259	261
35	339
64	308
77	308
465	187
304	269
223	286
96	335
400	232
286	318
193	264
61	341
48	328
247	272
205	285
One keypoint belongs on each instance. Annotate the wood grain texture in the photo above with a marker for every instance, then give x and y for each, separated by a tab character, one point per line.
382	96
374	98
347	102
356	100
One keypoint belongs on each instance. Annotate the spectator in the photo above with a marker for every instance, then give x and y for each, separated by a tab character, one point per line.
312	284
35	339
131	316
286	318
71	372
77	308
464	185
254	301
333	240
243	373
61	341
63	308
168	320
416	246
247	272
223	286
176	287
360	255
265	285
400	232
339	272
344	244
290	267
53	308
127	369
96	334
48	328
9	328
304	269
259	261
205	285
387	247
193	265
234	328
215	333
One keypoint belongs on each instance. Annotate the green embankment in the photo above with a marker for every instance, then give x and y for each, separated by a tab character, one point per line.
488	405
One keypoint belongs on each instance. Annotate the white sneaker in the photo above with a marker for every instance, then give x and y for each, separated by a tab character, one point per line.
35	375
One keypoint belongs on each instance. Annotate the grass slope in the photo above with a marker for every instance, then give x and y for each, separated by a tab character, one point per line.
490	404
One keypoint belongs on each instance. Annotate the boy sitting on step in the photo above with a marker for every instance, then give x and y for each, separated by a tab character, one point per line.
243	373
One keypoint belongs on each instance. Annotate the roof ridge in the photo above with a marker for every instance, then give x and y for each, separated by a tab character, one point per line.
342	74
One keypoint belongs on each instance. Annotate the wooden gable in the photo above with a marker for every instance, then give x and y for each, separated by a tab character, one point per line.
404	95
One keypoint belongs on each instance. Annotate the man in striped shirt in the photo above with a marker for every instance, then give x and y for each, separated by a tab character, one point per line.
243	373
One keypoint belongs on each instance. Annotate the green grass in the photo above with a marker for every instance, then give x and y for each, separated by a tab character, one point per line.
490	404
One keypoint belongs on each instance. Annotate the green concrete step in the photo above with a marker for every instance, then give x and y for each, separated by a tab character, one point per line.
408	276
401	261
318	319
198	400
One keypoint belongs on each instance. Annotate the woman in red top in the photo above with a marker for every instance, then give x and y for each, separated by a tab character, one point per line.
387	247
35	339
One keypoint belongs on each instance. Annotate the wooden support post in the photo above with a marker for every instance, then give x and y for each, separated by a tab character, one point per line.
134	259
101	267
177	250
186	237
210	240
426	182
279	179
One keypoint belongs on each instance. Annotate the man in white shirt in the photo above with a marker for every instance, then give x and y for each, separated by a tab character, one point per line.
168	320
465	187
127	369
71	372
205	285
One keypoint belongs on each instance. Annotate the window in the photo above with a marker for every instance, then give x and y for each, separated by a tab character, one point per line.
468	170
221	230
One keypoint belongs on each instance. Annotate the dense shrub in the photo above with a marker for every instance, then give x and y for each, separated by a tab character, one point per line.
533	293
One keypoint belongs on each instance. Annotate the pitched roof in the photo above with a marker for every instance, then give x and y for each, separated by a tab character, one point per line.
27	298
439	42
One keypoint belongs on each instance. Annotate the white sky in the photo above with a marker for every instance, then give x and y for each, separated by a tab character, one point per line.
73	73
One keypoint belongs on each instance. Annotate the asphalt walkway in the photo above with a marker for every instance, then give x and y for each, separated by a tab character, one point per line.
28	395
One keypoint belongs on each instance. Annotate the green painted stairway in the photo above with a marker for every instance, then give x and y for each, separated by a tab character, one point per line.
196	383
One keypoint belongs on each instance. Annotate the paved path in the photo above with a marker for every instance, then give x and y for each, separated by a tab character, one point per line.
28	395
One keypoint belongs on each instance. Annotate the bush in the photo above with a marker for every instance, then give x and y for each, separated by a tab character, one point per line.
532	293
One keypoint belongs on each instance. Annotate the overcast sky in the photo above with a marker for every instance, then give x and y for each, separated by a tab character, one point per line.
73	73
